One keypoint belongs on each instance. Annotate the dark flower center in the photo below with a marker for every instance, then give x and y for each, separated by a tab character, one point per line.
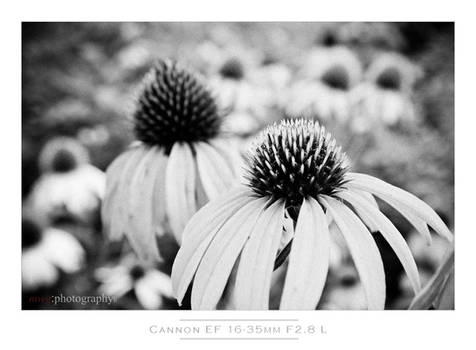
232	69
30	234
329	39
269	59
174	106
137	272
348	281
63	161
296	159
390	79
336	77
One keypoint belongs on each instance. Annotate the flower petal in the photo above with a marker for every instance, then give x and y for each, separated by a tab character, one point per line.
140	230
160	282
309	259
369	198
159	210
180	188
389	232
198	233
363	215
384	190
288	231
418	223
253	280
215	174
228	148
202	197
113	175
119	205
118	286
364	252
36	271
149	298
222	253
62	250
431	292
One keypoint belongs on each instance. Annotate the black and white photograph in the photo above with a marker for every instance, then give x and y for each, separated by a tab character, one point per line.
227	175
237	166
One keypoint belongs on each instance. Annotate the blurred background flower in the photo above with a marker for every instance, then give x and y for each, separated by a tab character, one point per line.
69	188
384	90
149	285
328	74
46	254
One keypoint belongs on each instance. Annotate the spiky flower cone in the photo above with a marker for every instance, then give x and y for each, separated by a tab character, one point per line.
294	160
174	106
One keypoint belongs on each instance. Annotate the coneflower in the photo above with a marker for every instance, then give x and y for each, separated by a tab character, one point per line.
232	69
69	185
238	92
178	163
337	65
46	253
150	285
331	73
294	169
385	97
391	71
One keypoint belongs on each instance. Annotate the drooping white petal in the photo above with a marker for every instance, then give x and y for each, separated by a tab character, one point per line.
113	175
288	231
418	223
139	229
222	253
363	215
198	233
339	250
364	252
158	204
255	269
215	174
309	259
389	232
180	188
202	197
120	204
369	198
416	206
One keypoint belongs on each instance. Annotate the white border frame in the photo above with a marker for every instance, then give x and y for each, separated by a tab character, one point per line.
131	329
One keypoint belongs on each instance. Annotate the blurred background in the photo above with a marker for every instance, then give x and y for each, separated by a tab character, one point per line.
385	90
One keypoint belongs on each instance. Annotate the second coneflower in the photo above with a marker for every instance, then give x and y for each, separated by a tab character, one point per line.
297	170
385	97
177	165
330	74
